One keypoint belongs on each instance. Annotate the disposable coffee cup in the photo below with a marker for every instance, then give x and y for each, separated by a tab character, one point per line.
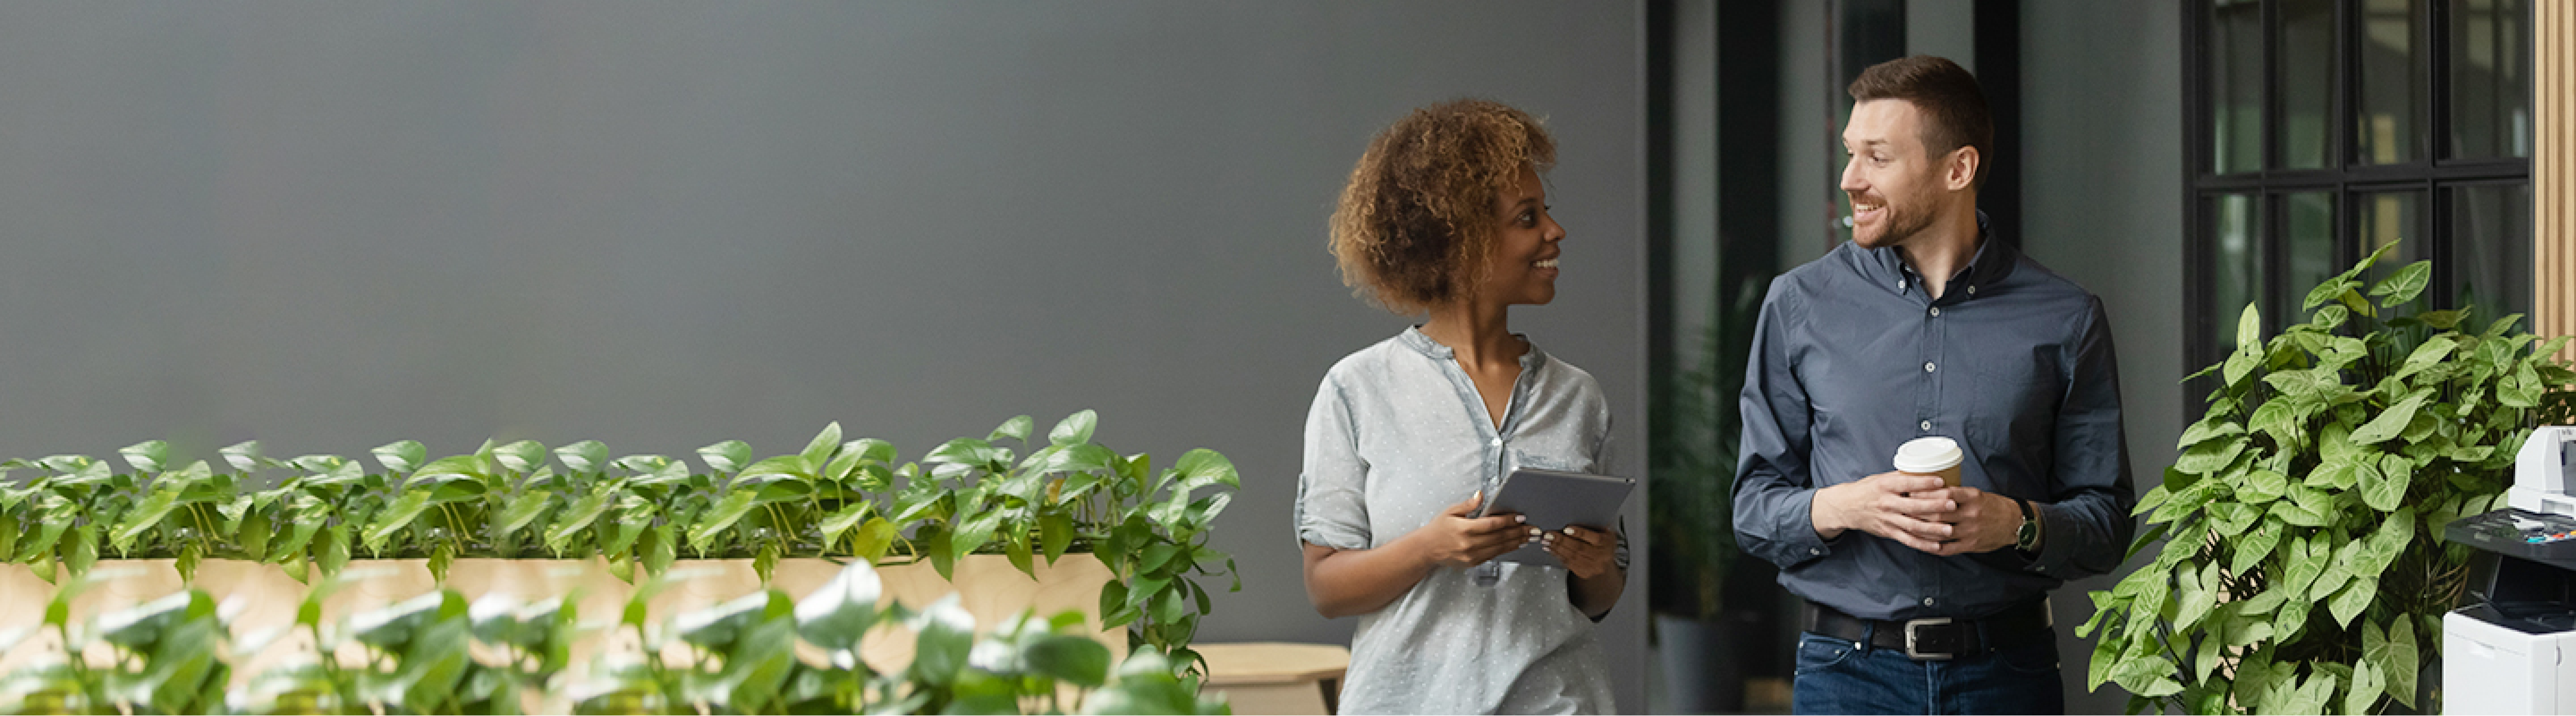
1935	456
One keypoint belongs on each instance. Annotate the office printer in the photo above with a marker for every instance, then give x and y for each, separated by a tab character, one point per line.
2512	649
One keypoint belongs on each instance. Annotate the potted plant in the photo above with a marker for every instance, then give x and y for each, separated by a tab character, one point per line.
634	517
2302	567
1691	474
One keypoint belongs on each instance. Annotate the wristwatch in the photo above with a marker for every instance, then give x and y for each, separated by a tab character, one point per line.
2026	539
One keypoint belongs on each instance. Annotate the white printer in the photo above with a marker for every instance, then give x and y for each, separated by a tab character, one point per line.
2512	649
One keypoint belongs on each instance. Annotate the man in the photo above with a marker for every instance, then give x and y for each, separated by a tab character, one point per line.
1923	598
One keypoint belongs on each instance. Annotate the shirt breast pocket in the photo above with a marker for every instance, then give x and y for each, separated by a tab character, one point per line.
2011	406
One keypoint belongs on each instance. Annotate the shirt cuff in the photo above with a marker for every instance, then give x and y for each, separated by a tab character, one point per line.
1800	543
2056	542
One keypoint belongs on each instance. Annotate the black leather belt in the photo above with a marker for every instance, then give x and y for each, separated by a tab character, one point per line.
1938	638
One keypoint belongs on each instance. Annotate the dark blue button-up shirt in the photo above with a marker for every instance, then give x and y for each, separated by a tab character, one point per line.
1852	357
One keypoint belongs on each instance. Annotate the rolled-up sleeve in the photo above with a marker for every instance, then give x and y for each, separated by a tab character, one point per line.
1773	489
2086	525
1332	502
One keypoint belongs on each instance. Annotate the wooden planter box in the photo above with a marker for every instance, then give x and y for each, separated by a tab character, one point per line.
987	585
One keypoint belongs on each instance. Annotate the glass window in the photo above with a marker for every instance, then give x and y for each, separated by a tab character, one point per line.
2491	250
2393	82
2236	85
2309	237
2490	84
2236	266
2307	82
2389	217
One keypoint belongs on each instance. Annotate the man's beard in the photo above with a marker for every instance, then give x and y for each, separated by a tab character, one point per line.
1900	225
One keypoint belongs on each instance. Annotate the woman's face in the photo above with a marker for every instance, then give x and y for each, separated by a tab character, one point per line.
1522	268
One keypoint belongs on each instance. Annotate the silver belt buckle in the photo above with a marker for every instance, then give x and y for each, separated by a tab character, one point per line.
1912	639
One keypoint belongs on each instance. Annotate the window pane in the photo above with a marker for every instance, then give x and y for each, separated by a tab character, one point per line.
2491	251
2490	79
2310	246
2236	84
2394	79
2307	43
2236	270
2390	217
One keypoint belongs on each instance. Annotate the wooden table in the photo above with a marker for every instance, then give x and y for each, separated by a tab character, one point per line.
1270	677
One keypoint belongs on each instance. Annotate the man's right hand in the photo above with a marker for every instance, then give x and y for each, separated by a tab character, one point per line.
1453	539
1881	505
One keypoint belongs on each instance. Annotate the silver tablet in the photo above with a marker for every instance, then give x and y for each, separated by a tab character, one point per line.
1553	500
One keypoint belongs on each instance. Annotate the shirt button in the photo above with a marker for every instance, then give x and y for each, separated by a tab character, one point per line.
1900	285
1812	550
1936	313
1927	367
1927	426
1927	601
1498	442
1972	289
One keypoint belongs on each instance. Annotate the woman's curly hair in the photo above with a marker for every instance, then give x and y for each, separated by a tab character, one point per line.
1416	223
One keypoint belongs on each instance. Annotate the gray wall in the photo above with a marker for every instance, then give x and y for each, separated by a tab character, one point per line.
330	225
2102	204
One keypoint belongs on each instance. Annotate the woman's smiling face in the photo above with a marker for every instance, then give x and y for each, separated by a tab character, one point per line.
1522	269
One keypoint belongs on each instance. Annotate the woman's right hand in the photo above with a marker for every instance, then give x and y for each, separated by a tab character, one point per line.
1453	539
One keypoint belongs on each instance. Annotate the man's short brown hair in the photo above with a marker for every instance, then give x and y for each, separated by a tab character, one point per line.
1416	223
1953	107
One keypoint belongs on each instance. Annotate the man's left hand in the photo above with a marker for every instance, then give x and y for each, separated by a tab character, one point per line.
1982	522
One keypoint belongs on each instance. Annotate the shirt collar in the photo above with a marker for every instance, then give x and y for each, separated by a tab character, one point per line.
1990	264
1412	338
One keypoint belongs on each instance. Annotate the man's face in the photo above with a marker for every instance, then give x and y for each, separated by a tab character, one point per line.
1893	182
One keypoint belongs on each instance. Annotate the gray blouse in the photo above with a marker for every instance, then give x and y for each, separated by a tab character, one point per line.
1398	434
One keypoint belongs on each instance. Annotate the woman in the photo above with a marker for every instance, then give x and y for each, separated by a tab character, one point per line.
1445	216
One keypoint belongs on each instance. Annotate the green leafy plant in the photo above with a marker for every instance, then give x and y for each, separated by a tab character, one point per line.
164	659
1691	472
742	661
2302	568
834	499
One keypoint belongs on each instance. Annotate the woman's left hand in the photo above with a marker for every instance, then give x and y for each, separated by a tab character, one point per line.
1586	552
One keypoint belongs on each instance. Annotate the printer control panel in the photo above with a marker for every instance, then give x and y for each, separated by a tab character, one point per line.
2521	533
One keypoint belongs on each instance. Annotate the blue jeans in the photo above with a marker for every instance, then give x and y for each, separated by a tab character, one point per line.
1834	677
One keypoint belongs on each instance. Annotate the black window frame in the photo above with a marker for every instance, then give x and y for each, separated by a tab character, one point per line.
2431	175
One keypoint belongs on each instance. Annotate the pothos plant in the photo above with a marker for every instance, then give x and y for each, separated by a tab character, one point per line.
163	659
2302	567
836	498
741	659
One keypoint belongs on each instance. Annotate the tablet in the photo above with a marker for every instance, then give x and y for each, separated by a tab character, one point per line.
1553	500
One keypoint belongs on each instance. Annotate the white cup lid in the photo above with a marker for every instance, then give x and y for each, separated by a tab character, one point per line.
1928	455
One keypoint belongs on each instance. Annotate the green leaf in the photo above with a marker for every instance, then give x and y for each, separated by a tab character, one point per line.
147	456
1055	534
2255	546
2384	489
2263	486
521	457
395	518
1074	429
1203	467
2249	330
835	615
143	518
400	456
727	456
2404	285
584	456
702	536
818	452
243	456
2354	597
2397	656
2367	684
577	517
1016	428
521	511
1081	661
946	633
2207	429
2210	457
2326	292
2392	421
